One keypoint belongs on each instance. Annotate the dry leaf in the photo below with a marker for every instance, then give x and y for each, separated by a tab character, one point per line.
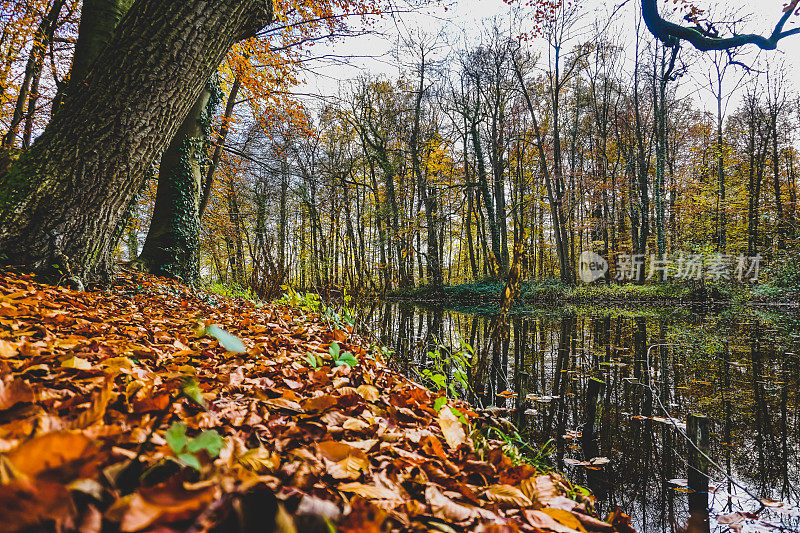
444	507
342	460
451	428
507	496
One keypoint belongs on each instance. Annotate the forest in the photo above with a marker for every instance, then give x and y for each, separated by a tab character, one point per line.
416	265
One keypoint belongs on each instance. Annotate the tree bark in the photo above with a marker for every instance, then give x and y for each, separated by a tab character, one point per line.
172	244
99	19
60	203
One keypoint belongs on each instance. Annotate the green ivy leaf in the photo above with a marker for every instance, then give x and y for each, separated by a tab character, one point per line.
439	403
439	380
334	350
458	414
230	342
176	437
347	359
209	441
189	460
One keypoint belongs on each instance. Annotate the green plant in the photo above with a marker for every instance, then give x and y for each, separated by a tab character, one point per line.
313	360
341	358
186	449
230	290
519	449
308	302
448	369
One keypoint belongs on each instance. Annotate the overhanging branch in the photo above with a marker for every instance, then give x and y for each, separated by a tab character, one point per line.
670	33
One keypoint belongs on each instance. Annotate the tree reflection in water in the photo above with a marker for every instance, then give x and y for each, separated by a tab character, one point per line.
582	379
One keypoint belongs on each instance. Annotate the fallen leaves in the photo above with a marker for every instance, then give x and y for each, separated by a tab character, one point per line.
118	412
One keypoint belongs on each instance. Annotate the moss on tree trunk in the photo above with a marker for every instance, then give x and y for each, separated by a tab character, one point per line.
172	243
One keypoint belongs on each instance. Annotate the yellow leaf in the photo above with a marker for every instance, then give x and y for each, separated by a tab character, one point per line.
8	349
370	492
564	518
451	428
260	460
76	362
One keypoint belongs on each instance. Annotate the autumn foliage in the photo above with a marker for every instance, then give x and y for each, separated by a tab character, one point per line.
122	410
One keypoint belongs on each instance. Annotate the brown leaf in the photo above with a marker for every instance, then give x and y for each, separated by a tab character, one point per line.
283	403
162	504
28	505
540	489
7	349
342	460
542	520
98	406
444	507
564	518
507	496
451	428
52	451
370	492
368	392
14	392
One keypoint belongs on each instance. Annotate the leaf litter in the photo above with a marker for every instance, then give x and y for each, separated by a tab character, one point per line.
152	407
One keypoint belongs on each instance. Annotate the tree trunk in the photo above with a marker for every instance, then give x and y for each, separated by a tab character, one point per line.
60	203
99	19
172	244
223	134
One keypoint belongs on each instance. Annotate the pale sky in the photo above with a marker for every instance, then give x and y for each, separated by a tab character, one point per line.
463	20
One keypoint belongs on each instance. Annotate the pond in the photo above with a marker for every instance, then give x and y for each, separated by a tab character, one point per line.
610	391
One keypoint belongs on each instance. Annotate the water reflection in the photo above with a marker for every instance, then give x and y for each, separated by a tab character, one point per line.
619	386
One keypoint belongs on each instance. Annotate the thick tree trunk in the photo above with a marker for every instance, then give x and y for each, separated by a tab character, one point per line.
99	19
60	203
171	246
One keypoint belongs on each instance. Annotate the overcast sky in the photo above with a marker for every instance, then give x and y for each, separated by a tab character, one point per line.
463	20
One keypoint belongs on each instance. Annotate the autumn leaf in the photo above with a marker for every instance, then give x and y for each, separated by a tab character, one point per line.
507	496
342	460
542	520
564	518
444	507
161	504
370	492
77	363
7	349
14	392
53	451
452	429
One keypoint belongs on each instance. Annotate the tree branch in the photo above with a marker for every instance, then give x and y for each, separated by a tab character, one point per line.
670	33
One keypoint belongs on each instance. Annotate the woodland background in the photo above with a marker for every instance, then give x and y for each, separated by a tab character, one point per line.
430	177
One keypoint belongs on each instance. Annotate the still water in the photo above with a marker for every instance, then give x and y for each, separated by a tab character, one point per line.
610	390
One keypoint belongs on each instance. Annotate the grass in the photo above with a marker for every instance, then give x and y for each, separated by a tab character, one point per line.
548	291
229	290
